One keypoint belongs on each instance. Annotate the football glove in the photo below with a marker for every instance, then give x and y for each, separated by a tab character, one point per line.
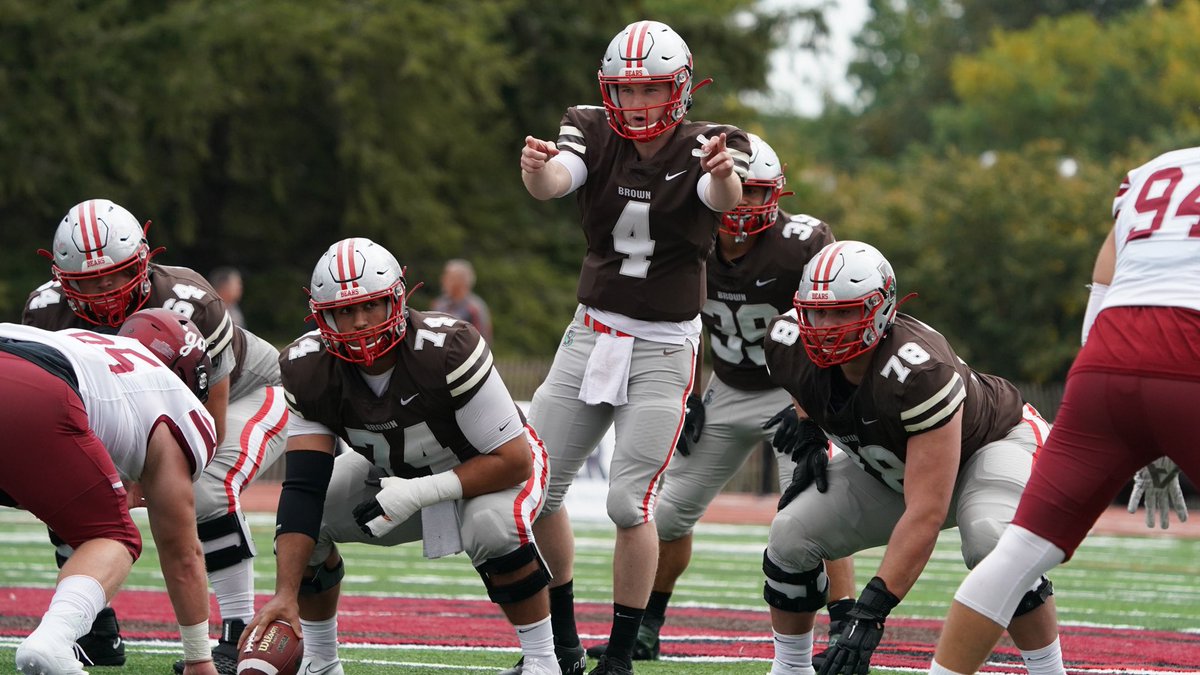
808	447
400	498
851	654
1158	482
693	424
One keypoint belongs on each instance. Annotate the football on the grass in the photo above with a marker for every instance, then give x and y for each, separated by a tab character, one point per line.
277	651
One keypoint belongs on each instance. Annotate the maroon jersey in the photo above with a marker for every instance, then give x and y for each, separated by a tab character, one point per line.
648	234
743	296
411	429
176	288
914	383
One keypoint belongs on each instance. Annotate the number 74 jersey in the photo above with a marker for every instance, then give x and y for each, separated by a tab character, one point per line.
915	383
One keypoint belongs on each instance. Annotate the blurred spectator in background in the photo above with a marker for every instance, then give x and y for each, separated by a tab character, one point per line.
458	278
228	282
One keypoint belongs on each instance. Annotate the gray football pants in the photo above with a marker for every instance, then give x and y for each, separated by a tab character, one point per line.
646	428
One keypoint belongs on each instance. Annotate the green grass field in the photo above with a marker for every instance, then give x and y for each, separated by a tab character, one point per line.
1127	582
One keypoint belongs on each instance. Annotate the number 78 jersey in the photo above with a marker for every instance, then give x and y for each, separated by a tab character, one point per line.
915	383
1157	232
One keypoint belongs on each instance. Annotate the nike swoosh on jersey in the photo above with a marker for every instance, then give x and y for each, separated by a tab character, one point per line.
673	176
866	421
763	282
404	401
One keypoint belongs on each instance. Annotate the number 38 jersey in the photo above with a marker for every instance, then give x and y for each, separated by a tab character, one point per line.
411	429
127	392
648	234
914	383
745	295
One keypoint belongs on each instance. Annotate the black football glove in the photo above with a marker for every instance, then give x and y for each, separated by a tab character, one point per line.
851	654
808	447
693	424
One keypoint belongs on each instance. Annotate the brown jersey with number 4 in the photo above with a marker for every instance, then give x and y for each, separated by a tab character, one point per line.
914	383
411	429
648	234
744	296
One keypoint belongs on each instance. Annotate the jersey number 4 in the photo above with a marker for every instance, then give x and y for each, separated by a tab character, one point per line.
631	236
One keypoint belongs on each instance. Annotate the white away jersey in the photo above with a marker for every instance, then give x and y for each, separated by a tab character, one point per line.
127	392
1157	230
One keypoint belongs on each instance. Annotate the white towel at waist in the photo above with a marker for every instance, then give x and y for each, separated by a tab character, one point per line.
606	379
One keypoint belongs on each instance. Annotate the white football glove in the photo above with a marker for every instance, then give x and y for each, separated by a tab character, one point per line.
400	498
1158	481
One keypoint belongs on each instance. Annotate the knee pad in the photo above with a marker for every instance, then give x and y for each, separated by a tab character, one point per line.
323	579
1035	598
225	540
795	591
519	590
62	550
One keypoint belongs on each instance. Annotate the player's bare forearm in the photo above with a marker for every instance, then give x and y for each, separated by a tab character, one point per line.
292	551
725	193
908	551
507	466
551	182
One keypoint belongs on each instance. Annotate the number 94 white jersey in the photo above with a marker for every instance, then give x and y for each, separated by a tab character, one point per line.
127	392
1157	231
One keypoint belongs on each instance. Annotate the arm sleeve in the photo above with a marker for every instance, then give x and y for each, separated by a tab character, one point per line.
490	418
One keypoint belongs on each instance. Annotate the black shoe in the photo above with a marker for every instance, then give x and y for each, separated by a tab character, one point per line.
571	661
606	667
646	648
225	654
103	645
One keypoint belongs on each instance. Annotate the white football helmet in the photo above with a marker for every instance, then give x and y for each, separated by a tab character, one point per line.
96	239
642	53
846	302
354	271
766	171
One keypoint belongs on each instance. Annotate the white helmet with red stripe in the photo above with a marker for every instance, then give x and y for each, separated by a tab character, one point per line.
646	52
846	302
101	258
766	171
351	272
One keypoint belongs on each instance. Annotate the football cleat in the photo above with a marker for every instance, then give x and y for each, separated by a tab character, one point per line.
40	654
571	661
646	648
311	666
607	667
103	645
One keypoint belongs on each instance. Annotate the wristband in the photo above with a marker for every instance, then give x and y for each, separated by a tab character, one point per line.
196	647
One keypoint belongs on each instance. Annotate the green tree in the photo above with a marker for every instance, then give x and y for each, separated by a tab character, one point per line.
1095	86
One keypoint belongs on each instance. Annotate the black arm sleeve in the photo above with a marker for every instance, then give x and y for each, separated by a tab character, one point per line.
303	498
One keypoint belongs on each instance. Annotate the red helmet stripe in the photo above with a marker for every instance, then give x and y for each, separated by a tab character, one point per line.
824	266
95	225
346	264
85	231
638	34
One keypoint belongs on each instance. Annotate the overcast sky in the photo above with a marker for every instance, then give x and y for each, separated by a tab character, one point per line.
797	77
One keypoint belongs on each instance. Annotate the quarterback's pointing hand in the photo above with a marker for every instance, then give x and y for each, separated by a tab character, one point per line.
715	158
536	153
